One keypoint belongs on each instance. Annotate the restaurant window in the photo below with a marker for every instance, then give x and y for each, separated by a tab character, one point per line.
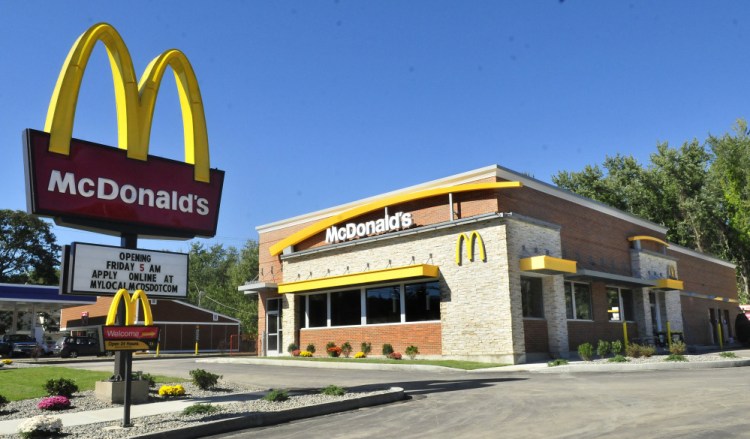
317	310
383	305
531	297
620	302
346	308
422	301
578	301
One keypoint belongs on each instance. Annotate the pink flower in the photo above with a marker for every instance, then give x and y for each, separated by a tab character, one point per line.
54	403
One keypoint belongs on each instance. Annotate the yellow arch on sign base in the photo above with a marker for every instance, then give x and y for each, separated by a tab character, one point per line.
130	302
134	102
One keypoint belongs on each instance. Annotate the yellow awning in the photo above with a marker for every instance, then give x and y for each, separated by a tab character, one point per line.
548	265
389	274
669	284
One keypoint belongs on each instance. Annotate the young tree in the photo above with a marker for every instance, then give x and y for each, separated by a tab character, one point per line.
215	274
28	249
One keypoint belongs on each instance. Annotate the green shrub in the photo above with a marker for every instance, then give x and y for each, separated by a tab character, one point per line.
677	348
292	347
346	349
603	348
412	351
387	349
310	348
616	347
200	409
333	390
585	351
148	377
329	345
366	347
648	351
633	350
204	379
3	402
618	359
728	355
557	362
276	395
675	357
61	386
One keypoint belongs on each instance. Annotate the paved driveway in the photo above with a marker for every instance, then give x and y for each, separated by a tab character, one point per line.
679	403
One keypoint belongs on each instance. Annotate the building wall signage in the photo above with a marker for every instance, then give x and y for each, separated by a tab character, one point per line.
472	239
86	185
349	231
100	270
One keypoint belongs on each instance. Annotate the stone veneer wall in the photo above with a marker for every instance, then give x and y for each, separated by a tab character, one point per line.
650	265
475	308
533	238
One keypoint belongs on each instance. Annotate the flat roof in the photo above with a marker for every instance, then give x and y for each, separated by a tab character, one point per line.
40	294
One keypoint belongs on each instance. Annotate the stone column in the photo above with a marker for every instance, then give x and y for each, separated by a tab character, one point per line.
642	308
674	310
553	288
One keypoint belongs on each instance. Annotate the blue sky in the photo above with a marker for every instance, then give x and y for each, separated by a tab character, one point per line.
311	104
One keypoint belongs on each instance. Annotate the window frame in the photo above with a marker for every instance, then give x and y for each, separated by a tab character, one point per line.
305	324
573	301
541	299
621	304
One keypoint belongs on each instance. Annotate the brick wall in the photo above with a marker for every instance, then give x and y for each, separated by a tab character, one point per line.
425	336
535	335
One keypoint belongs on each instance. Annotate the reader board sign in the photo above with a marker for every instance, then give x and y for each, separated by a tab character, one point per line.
103	270
129	338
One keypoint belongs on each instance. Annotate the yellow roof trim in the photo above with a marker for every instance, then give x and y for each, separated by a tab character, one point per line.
648	238
548	265
669	284
321	225
389	274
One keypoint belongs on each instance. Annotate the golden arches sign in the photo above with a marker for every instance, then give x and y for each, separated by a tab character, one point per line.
130	302
471	239
135	104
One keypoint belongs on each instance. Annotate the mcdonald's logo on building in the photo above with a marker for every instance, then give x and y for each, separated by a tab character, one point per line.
472	239
86	185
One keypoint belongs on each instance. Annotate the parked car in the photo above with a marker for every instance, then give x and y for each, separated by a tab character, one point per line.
73	346
17	344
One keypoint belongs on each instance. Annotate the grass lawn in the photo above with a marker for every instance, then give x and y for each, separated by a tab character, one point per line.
28	382
455	364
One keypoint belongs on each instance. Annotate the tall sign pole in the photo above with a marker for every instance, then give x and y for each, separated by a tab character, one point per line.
124	359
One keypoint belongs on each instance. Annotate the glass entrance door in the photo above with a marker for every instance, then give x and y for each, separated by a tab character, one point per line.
273	327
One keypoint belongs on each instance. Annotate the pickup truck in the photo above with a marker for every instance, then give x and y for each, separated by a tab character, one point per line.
15	344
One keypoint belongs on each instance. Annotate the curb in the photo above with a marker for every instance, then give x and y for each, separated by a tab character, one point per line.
672	365
263	419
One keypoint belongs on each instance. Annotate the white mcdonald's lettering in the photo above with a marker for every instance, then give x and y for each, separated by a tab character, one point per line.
107	189
135	101
470	239
359	230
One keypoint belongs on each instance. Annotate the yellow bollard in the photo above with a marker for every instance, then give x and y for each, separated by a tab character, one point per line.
157	349
625	333
669	335
721	337
196	348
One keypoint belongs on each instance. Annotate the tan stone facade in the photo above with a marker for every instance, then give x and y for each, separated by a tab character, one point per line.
491	308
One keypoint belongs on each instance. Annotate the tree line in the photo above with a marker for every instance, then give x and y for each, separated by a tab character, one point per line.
699	191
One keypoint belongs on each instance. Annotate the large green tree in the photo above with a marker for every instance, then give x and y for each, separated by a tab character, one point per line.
698	191
216	272
28	249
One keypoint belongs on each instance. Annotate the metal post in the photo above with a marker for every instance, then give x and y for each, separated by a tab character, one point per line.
124	359
625	333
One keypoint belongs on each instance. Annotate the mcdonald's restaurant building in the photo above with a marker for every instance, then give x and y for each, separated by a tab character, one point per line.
489	265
